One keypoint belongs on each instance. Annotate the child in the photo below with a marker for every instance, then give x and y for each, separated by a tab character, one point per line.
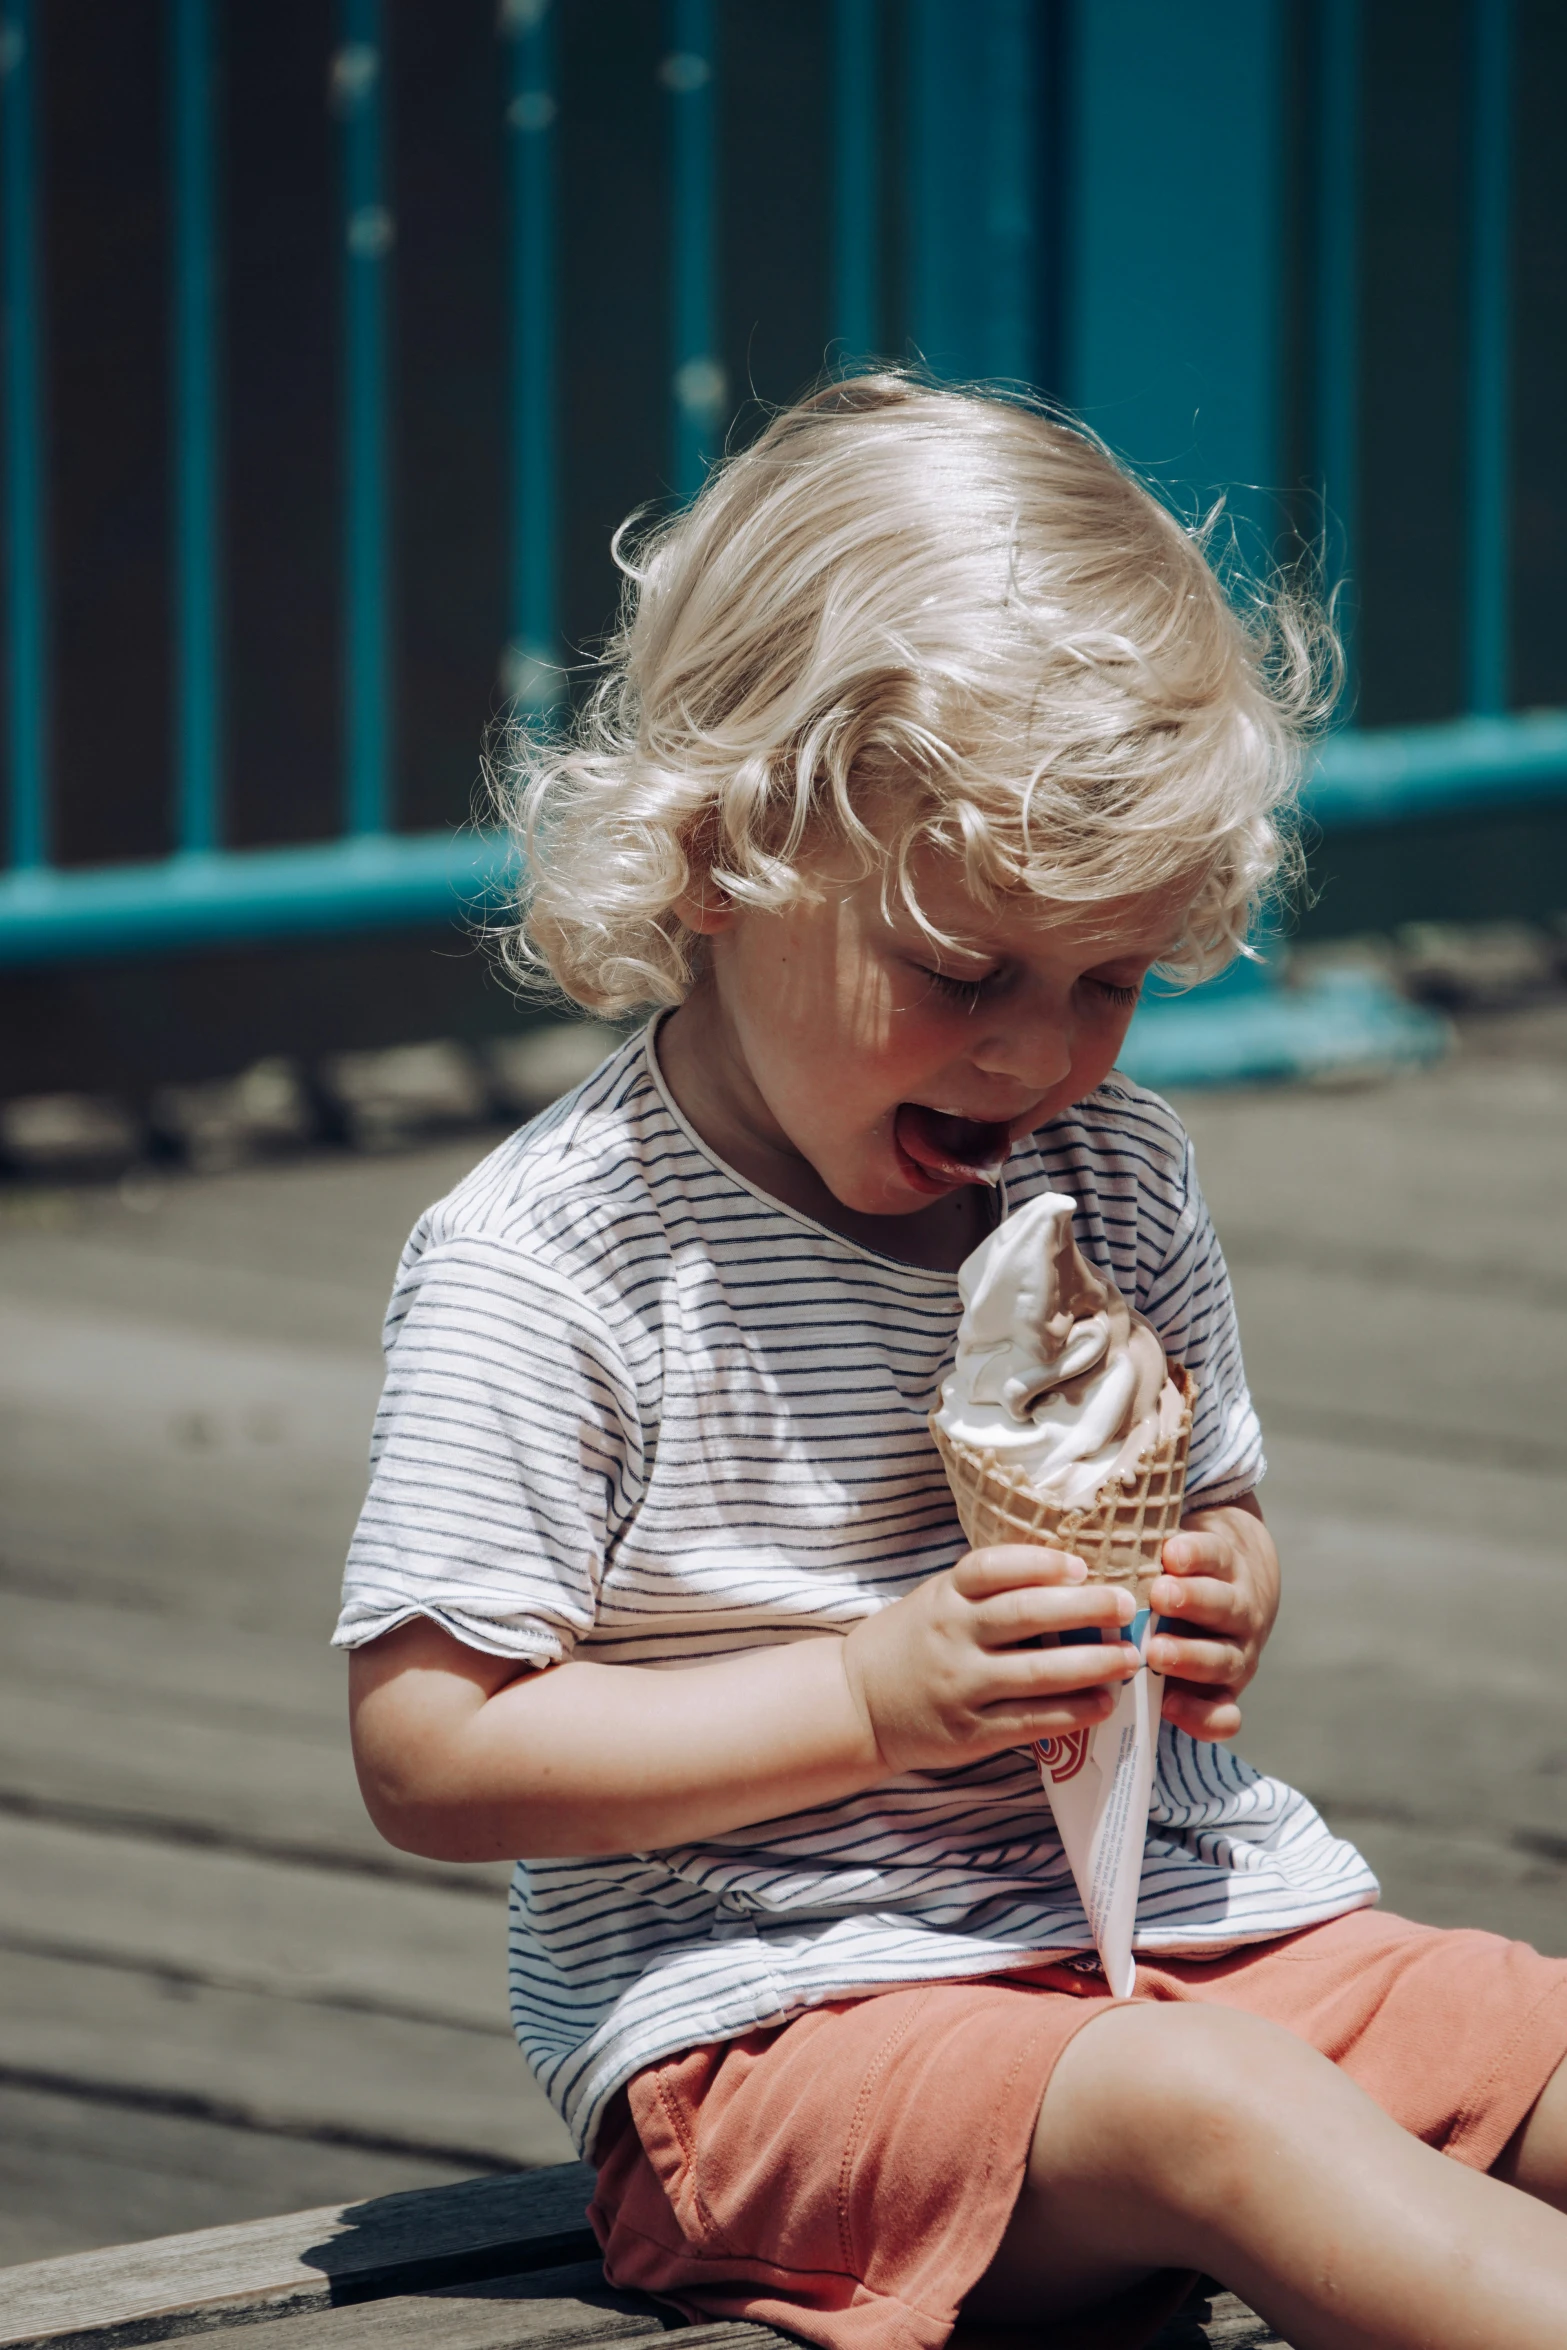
928	734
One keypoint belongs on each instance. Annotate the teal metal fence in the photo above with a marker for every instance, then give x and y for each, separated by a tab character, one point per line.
1092	193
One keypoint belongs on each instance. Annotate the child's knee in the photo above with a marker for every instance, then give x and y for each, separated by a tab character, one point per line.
1179	2101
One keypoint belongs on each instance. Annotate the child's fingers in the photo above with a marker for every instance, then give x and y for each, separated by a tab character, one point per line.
1200	1601
1008	1618
1013	1566
1039	1675
1200	1713
1020	1725
1200	1554
1203	1661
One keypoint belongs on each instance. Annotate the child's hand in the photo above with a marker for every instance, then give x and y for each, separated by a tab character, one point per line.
1221	1579
942	1677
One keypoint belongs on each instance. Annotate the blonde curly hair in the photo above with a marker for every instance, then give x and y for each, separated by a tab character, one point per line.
912	618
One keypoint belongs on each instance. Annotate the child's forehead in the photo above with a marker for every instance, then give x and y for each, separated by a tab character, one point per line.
1019	922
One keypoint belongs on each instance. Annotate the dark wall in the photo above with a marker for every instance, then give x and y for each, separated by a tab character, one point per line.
103	138
105	236
103	242
128	1026
1539	442
1413	323
614	349
283	474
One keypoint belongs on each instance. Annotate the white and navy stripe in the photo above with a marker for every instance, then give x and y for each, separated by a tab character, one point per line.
636	1410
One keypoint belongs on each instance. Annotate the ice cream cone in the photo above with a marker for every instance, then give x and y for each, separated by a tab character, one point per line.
1120	1536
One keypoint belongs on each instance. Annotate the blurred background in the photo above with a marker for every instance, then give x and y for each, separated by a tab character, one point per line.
337	341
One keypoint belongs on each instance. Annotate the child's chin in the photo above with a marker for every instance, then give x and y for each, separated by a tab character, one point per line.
873	1192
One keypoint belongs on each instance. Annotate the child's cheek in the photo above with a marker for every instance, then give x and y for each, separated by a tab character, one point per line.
871	1023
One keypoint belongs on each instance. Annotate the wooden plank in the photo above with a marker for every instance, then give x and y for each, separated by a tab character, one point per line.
127	1760
558	2306
286	1681
554	2311
77	2172
564	2307
151	1721
305	1248
1400	1382
1378	1174
215	1536
1228	2325
1386	1688
391	2294
140	1378
113	1270
380	2080
235	1480
412	2242
236	1922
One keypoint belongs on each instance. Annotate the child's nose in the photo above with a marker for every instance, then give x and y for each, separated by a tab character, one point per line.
1033	1054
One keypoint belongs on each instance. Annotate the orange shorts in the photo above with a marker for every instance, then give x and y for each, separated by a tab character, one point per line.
849	2175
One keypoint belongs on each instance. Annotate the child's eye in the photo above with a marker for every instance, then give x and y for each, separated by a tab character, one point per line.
1113	994
962	991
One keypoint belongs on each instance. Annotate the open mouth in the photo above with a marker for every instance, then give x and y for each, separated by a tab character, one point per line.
946	1150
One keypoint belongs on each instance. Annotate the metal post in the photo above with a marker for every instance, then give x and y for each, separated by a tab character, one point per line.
1337	323
1009	205
27	617
698	387
197	688
533	676
358	85
855	209
1490	371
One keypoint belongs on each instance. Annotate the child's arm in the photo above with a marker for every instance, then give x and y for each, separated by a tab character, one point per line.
1221	1579
465	1756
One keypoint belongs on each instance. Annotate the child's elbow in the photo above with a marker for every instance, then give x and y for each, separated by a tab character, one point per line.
412	1729
418	1818
398	1813
406	1782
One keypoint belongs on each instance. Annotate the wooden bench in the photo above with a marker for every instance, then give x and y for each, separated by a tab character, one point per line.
494	2264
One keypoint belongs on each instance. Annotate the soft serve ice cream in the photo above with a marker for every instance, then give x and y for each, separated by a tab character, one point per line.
1063	1423
1056	1379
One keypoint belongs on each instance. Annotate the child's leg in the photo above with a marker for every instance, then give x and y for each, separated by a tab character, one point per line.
1535	2156
1201	2137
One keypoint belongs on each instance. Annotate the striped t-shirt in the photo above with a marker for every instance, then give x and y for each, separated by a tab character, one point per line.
636	1410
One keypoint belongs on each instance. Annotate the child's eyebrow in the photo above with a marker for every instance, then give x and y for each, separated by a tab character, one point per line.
908	933
954	950
912	937
1140	953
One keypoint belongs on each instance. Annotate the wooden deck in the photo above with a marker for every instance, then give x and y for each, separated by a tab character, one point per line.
222	1996
494	2264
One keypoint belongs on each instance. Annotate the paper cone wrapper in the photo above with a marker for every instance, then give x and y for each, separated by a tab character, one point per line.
1100	1784
1120	1535
1099	1780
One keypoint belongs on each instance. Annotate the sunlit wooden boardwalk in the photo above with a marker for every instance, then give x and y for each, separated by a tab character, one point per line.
222	1997
497	2264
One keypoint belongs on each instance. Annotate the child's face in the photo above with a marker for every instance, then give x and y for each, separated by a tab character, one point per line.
832	1033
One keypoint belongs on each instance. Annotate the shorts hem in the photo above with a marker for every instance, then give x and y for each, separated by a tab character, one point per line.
1515	2083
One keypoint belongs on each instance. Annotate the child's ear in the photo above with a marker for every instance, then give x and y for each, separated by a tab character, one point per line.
705	908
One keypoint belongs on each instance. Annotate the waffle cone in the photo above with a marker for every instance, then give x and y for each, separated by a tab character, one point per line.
1119	1536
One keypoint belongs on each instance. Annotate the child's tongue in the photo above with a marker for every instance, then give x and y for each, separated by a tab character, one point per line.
955	1150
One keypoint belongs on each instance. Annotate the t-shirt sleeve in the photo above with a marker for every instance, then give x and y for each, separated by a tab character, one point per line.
1190	1303
505	1458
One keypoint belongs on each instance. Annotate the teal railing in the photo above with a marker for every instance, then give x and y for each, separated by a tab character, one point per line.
1151	299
